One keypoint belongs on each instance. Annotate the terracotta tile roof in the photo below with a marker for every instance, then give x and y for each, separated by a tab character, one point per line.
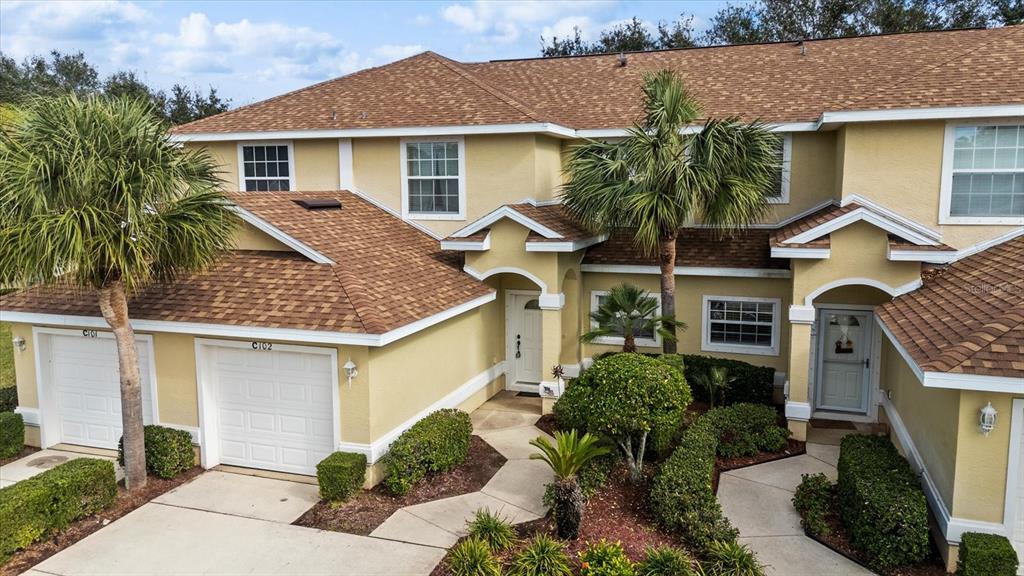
385	274
696	247
928	69
967	318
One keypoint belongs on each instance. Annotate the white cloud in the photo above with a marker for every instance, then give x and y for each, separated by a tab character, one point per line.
564	28
68	26
506	22
395	52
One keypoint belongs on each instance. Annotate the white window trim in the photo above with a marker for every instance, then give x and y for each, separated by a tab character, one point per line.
406	214
946	186
291	160
787	170
617	340
706	345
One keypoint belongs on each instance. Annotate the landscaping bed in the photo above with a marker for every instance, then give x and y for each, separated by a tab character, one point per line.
25	451
368	509
35	553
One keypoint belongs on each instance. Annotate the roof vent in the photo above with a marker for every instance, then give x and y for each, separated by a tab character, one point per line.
802	47
622	60
319	203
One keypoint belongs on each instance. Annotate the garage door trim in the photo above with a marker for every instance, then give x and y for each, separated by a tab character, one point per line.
49	426
208	429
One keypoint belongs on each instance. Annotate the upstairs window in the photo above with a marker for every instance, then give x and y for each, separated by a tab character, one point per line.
266	167
983	176
784	153
433	179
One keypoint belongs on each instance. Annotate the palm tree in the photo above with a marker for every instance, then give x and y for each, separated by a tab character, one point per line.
662	177
570	453
629	310
95	196
716	381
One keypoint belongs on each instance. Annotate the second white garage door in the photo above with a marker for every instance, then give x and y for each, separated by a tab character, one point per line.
274	408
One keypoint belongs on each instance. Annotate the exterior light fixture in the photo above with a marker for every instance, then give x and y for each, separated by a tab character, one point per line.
19	343
988	419
350	371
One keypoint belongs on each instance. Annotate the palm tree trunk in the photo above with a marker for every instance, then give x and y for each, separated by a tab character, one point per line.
628	342
667	262
114	306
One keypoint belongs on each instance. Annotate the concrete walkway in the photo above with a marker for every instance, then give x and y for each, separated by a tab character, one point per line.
41	461
758	500
506	422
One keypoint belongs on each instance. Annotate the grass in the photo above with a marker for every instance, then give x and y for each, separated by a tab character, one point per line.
6	356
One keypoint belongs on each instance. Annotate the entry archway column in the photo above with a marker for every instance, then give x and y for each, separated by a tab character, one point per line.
798	406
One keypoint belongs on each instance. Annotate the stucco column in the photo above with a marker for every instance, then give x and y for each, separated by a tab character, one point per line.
798	407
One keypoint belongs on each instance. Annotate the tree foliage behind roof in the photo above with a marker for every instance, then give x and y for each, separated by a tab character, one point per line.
71	73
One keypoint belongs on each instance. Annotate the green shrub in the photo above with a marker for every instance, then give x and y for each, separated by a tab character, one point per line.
436	443
168	451
681	497
8	398
605	559
986	555
340	475
813	500
472	557
12	434
591	477
543	556
731	559
492	530
754	384
665	561
50	501
881	502
745	429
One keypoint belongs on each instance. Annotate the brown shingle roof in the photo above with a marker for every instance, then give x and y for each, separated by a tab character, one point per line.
771	82
695	247
552	216
968	318
385	274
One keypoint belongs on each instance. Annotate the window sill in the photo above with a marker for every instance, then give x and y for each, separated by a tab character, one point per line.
450	217
983	220
739	349
780	200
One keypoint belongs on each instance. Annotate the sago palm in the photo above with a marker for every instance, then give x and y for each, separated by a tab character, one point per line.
629	310
566	457
663	176
94	195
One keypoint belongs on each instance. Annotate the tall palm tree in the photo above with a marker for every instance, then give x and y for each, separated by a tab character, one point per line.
94	195
662	177
629	310
566	457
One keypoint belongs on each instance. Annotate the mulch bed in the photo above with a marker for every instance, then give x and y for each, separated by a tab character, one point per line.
793	448
547	424
25	451
79	529
370	508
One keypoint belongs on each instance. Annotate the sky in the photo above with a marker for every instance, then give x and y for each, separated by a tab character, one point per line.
254	50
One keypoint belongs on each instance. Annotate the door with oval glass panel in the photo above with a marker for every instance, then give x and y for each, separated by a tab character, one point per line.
844	360
524	339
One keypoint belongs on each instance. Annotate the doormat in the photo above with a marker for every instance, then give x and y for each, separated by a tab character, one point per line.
832	424
528	395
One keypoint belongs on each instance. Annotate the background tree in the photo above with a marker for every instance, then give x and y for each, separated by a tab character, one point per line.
629	310
95	196
657	179
630	36
566	457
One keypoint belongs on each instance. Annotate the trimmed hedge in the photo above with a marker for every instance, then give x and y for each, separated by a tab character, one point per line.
754	384
33	508
881	502
813	500
986	555
8	398
746	429
12	434
341	475
168	451
436	443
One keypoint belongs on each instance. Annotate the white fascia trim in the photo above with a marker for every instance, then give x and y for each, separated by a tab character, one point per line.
799	411
688	271
481	276
930	256
29	416
375	450
943	113
895	217
891	291
468	245
565	246
512	214
867	215
281	236
597	133
982	246
411	131
805	253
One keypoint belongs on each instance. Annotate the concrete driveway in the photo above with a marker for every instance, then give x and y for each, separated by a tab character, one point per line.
233	524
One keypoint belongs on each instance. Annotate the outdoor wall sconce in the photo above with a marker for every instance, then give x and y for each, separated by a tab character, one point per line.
19	343
988	419
350	371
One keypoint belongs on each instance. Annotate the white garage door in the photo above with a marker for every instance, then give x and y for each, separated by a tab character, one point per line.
86	391
274	408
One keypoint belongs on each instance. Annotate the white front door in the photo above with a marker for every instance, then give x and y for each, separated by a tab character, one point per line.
844	353
524	339
83	384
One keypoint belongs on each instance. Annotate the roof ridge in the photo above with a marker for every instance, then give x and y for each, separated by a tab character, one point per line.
487	87
902	80
360	299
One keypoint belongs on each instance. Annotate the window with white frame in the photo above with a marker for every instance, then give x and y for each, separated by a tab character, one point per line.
784	153
983	173
433	178
266	167
741	325
648	337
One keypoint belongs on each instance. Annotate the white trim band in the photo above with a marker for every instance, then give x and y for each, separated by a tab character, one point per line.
688	271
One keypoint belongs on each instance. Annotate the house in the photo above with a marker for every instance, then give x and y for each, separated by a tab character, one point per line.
404	250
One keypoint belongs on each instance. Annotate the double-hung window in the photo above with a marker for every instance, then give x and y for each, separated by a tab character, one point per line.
740	325
784	155
983	174
647	337
434	179
266	166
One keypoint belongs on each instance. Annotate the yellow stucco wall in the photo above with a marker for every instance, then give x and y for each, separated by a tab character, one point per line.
981	461
508	250
812	178
25	366
248	237
316	164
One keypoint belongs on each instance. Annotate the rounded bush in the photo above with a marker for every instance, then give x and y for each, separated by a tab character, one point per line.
340	475
12	434
168	451
436	443
986	555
